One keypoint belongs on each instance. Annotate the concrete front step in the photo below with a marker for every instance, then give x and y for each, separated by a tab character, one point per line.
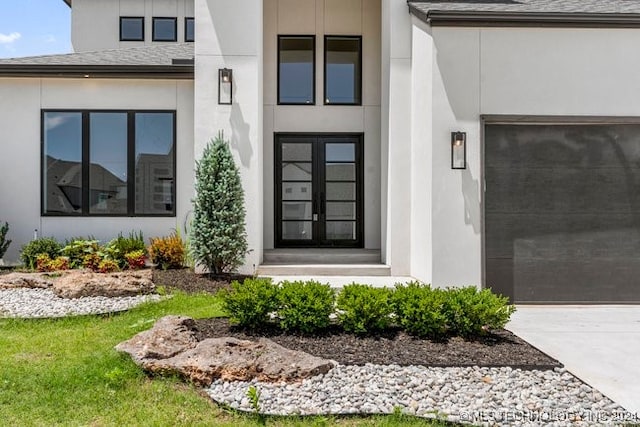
321	256
324	270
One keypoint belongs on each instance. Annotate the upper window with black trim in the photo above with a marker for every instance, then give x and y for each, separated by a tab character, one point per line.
343	70
296	70
131	29
189	30
165	29
108	163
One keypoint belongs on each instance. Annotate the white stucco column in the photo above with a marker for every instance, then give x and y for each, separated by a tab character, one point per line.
229	34
396	135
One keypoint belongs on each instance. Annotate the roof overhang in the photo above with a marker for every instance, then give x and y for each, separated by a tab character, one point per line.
170	72
454	18
68	2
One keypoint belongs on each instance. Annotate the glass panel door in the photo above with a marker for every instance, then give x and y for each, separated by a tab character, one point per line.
318	189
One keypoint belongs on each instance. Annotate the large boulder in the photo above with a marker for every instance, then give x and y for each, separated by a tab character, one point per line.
26	280
170	336
84	283
229	359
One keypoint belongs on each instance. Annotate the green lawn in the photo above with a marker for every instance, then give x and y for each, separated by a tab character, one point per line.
65	372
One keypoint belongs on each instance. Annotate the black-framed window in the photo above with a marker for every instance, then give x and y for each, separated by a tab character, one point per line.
343	70
131	28
165	29
189	29
108	163
296	70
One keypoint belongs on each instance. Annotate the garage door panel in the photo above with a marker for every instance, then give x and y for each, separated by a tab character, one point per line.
561	236
568	190
546	146
599	280
562	212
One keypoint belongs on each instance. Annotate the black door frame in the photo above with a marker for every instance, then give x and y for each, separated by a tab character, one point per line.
319	196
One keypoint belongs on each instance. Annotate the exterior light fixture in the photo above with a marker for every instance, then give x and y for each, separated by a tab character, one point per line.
458	150
225	86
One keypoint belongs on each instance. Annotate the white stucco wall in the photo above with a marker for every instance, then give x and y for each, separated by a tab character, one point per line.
95	24
470	72
320	18
229	34
21	102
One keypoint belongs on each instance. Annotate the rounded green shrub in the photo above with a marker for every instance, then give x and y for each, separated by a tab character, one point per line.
45	245
419	309
305	306
78	248
471	312
250	303
364	309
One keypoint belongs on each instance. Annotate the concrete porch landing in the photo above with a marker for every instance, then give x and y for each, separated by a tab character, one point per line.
341	281
323	262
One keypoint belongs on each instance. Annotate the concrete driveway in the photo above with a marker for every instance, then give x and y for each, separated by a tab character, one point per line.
598	344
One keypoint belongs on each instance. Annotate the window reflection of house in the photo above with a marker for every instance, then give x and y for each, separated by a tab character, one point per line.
107	192
154	183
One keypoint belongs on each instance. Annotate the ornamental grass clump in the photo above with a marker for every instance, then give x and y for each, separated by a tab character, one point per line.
363	309
419	310
119	248
305	306
249	304
218	237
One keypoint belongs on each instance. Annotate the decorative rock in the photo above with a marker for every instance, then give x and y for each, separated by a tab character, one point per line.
26	280
83	283
240	360
170	336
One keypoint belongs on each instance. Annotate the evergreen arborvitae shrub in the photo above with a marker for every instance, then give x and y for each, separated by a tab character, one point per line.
218	236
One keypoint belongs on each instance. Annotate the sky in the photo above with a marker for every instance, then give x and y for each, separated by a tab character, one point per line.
34	27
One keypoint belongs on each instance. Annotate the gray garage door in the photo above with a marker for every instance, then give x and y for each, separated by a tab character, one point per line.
562	212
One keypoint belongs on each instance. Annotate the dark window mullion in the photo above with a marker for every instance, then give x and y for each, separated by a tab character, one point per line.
131	163
86	163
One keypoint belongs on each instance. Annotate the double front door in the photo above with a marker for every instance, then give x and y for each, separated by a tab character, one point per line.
318	190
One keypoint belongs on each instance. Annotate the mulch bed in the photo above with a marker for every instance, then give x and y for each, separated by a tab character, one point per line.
499	348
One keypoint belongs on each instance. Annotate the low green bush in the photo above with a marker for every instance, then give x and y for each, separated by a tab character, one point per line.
78	248
45	245
471	312
364	309
249	304
305	306
4	242
419	309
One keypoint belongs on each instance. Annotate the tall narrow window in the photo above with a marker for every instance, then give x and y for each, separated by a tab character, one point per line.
189	30
154	163
108	163
343	70
131	29
62	163
165	29
296	70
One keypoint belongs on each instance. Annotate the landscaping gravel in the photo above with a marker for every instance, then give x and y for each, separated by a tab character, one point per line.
479	396
38	303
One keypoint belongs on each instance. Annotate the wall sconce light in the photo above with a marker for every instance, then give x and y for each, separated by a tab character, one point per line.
225	86
458	150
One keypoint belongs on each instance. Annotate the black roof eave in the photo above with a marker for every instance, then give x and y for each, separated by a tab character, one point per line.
68	2
459	18
181	72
